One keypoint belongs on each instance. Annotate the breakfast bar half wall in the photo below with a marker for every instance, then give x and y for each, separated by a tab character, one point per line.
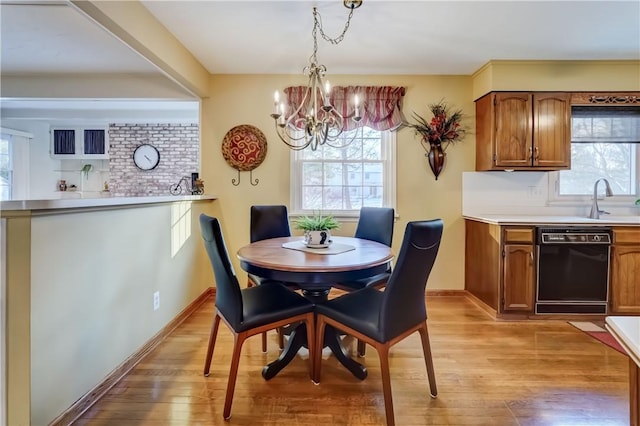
79	280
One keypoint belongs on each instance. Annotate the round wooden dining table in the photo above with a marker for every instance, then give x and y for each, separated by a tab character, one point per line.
314	271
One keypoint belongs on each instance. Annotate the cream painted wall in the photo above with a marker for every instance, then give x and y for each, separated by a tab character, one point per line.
3	325
569	76
247	99
17	269
93	275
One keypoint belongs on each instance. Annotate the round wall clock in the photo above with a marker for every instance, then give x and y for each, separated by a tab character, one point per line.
146	157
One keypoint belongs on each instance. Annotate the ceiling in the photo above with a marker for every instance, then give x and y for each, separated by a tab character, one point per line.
52	37
399	37
274	37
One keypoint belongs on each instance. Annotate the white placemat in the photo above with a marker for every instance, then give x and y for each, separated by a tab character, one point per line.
334	248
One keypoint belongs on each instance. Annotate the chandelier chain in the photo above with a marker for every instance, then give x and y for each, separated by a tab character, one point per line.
317	24
318	21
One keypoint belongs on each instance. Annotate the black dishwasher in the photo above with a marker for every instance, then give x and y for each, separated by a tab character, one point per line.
572	270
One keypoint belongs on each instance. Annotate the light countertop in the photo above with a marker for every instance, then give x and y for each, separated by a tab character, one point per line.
514	219
626	330
80	203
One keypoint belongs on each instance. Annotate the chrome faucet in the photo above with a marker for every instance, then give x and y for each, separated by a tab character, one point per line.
595	211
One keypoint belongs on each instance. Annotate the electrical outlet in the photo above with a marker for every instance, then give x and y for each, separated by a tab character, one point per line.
156	300
534	191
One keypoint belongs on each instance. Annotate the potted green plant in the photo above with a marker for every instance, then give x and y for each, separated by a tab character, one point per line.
86	169
317	229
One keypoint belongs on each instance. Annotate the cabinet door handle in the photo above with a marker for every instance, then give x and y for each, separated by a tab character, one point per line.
530	153
531	256
537	155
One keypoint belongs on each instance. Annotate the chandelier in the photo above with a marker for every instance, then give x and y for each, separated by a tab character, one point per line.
315	121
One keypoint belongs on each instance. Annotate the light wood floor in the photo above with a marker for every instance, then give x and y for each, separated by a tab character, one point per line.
488	372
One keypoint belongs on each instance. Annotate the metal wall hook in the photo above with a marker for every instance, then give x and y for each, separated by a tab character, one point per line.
251	179
233	181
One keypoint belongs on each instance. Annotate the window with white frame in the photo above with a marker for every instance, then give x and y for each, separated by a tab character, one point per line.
6	167
14	164
605	143
342	180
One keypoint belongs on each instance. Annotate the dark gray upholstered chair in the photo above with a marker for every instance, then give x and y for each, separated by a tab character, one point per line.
268	221
383	318
376	224
247	311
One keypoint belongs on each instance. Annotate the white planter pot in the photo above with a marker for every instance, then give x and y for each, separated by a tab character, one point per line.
317	239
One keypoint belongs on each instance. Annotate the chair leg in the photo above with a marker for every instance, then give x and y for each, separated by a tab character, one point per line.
311	344
264	342
362	347
233	373
212	341
426	348
281	337
383	352
317	362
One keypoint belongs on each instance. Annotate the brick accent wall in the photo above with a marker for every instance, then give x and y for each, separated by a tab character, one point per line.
178	145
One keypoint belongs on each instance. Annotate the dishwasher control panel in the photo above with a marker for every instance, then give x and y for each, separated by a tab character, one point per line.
573	236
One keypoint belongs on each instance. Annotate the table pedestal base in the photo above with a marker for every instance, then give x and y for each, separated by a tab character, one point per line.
298	339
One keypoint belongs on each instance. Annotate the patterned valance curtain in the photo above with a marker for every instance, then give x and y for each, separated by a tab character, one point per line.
379	106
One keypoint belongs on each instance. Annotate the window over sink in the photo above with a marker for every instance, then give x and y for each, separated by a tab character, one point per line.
605	143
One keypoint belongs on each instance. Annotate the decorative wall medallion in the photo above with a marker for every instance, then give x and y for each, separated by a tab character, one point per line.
244	148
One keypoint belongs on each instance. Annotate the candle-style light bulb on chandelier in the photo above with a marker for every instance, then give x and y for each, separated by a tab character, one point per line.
315	121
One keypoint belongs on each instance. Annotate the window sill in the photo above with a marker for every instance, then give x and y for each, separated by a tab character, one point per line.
341	217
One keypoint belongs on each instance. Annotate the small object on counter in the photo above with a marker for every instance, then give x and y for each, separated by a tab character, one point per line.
62	185
638	202
198	187
86	169
72	188
197	184
194	177
106	186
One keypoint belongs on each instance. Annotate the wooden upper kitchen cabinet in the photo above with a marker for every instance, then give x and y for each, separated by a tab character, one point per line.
624	281
523	131
499	266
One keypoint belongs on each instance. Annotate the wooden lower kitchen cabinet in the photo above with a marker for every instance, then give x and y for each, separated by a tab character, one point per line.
517	278
624	280
500	266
